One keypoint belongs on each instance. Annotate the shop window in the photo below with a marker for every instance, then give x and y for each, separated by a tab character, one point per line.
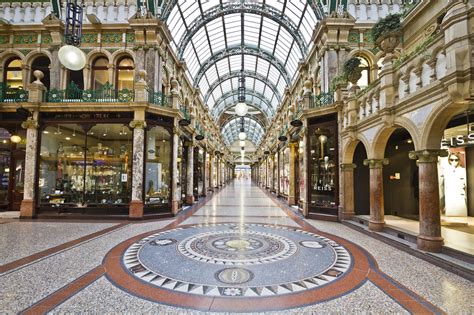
158	167
13	76
323	169
125	74
41	63
79	168
4	166
100	73
285	171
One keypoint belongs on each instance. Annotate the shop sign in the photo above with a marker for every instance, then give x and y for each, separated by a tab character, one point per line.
458	141
85	116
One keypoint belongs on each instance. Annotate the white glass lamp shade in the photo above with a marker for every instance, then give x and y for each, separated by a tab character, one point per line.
241	109
242	143
242	136
72	57
323	138
15	139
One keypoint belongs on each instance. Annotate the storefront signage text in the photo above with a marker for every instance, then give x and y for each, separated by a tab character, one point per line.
459	140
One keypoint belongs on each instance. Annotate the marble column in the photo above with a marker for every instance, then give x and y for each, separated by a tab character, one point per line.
347	176
190	175
211	173
136	204
175	173
304	181
28	207
204	175
293	185
429	238
55	70
376	222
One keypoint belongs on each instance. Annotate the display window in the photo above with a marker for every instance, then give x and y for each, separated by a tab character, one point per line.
199	172
12	166
181	190
456	172
322	168
300	170
85	166
271	165
214	172
275	172
157	167
284	166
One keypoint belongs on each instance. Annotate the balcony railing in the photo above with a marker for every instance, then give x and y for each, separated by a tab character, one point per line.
158	98
105	94
12	95
321	100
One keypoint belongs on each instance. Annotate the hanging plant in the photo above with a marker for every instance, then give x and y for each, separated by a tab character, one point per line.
351	70
386	26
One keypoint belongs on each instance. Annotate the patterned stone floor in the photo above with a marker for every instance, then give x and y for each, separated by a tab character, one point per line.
238	252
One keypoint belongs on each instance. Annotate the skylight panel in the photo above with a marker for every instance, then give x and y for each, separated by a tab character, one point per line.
235	62
263	66
250	61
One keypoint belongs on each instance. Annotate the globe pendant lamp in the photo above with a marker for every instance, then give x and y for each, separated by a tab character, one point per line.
72	57
242	143
242	135
241	109
69	55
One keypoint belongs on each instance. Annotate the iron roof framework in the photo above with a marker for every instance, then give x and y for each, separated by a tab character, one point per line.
252	127
215	37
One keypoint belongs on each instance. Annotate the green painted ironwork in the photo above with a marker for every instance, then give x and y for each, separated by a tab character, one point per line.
107	93
12	95
158	98
323	99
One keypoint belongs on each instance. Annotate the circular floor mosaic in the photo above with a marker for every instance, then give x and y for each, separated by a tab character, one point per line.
229	260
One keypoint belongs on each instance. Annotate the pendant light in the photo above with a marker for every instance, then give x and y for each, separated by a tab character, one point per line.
242	134
70	55
241	109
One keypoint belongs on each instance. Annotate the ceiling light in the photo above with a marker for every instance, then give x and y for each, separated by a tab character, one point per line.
15	139
241	109
72	57
242	143
68	138
46	132
242	135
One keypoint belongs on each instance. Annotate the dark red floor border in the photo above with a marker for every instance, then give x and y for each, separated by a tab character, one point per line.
29	259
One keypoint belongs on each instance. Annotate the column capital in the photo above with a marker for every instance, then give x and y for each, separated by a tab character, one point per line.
30	123
138	124
349	167
376	163
427	156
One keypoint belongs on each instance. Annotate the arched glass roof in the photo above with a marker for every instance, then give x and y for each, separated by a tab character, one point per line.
219	38
252	127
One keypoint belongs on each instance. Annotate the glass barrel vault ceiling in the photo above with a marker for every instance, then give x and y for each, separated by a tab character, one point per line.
216	37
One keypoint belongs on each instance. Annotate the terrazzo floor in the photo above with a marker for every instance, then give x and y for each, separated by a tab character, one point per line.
239	252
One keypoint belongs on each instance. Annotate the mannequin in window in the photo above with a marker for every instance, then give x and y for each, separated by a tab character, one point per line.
455	187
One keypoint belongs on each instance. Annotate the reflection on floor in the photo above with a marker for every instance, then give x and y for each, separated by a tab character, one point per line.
236	252
458	233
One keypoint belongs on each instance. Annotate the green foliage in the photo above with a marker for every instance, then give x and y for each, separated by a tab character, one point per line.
339	79
351	65
391	23
418	50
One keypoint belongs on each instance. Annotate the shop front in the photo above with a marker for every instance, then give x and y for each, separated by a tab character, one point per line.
158	157
12	162
85	163
284	170
322	169
199	172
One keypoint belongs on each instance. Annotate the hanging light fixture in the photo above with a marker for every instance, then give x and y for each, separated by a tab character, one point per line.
70	55
242	143
242	134
241	109
15	138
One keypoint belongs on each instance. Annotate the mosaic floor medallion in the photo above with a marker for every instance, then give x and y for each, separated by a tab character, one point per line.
228	260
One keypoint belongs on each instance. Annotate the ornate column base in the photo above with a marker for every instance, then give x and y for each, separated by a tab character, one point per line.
135	210
430	243
27	209
189	200
346	215
376	226
174	207
305	209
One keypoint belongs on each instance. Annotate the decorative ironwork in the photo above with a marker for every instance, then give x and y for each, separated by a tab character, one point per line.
246	73
158	98
12	95
249	8
107	93
239	50
73	27
323	99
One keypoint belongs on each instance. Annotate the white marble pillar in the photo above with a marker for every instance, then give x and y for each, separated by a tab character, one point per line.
304	180
190	175
136	204
174	179
27	207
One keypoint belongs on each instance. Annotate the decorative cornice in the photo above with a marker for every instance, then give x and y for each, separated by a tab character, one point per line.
376	163
427	156
138	124
30	124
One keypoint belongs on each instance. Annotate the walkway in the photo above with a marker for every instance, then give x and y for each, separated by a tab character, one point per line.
237	252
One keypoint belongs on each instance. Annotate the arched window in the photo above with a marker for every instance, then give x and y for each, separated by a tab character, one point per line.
100	74
125	75
366	77
13	75
41	63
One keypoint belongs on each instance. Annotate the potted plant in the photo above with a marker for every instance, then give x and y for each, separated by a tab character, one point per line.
386	33
351	70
